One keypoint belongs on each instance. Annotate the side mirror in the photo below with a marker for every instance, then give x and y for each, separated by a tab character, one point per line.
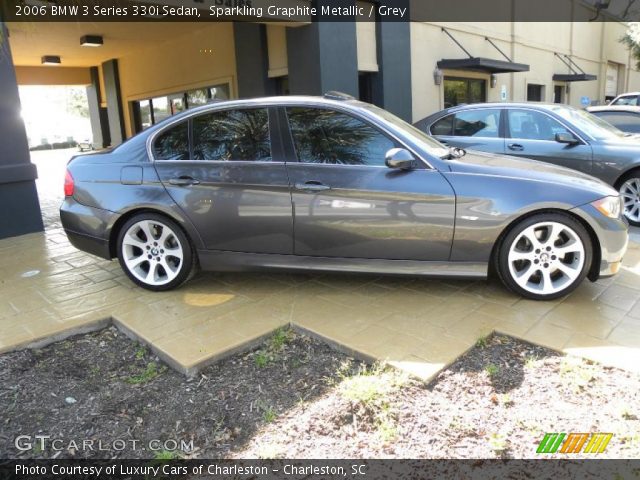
401	159
566	138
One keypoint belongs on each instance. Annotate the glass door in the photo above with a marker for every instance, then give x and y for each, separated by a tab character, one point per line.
459	91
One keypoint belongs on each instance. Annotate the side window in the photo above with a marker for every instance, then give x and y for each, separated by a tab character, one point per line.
173	144
625	121
241	134
444	126
628	100
477	123
532	125
326	136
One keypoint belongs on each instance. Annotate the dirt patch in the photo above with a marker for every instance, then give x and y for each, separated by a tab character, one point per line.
295	397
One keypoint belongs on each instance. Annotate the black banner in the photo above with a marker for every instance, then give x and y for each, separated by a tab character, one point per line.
319	10
318	469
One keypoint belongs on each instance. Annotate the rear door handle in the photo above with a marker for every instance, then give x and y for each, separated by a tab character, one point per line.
516	147
184	181
312	186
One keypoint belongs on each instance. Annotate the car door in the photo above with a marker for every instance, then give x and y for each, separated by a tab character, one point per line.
347	203
531	134
229	180
475	129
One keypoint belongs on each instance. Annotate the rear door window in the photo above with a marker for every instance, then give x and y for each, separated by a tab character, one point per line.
477	123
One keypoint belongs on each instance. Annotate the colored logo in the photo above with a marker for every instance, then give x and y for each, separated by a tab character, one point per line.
574	442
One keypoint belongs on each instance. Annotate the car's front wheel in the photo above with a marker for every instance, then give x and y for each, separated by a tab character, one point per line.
630	193
154	252
545	256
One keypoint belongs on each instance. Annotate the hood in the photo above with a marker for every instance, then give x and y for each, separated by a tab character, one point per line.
481	163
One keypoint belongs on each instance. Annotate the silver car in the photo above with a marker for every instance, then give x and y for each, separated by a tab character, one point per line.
333	184
553	133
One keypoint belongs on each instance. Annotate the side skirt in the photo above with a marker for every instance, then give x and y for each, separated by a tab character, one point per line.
224	261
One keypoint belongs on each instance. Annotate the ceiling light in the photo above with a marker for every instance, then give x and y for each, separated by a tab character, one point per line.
51	60
91	41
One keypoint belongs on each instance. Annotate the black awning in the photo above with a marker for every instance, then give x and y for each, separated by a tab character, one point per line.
485	65
573	77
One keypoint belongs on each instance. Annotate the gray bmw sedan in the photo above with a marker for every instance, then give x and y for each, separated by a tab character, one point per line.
553	133
333	184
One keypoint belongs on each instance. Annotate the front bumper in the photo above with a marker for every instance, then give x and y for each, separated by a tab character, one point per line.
87	227
612	236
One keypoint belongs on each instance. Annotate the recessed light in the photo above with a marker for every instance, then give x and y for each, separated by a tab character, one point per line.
51	60
91	41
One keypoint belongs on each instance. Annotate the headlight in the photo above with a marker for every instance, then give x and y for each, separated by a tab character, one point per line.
609	206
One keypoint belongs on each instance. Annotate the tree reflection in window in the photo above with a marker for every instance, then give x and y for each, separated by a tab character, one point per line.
326	136
232	135
173	144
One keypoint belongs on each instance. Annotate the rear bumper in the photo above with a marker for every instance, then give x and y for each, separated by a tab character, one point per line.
613	237
87	227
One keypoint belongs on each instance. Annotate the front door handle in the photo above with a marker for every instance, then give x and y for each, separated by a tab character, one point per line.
516	147
184	181
312	186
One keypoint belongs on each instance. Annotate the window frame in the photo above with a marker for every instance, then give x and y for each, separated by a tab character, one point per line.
277	156
507	126
293	153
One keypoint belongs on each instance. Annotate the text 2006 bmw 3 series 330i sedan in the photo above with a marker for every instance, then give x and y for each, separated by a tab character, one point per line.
333	184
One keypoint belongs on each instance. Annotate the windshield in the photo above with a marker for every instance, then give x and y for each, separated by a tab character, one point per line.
588	123
429	143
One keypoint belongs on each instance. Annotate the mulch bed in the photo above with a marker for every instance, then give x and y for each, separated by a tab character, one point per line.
296	397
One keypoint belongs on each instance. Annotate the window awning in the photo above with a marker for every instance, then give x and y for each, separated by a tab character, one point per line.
576	75
481	64
485	65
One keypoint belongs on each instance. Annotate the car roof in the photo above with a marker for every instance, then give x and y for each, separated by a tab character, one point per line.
628	93
614	108
471	106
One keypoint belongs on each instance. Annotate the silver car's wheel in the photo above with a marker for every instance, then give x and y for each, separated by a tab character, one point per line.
545	256
630	192
154	252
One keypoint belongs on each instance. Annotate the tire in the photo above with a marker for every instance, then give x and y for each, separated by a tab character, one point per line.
629	188
545	256
155	253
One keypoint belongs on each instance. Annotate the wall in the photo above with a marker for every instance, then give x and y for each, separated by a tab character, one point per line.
53	76
179	64
524	42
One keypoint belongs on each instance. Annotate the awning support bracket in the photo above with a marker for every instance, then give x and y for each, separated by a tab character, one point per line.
456	42
498	49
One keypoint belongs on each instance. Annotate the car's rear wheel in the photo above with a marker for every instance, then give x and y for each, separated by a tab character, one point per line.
545	256
630	193
154	252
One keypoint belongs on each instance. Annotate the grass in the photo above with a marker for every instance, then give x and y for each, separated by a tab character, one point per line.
141	351
483	341
492	370
276	343
166	455
269	414
148	374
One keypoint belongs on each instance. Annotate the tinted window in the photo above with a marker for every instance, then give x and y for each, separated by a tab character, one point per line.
444	126
232	135
532	125
326	136
625	121
535	93
173	144
477	123
628	100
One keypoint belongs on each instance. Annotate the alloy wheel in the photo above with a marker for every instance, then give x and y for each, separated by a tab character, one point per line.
152	252
546	258
630	192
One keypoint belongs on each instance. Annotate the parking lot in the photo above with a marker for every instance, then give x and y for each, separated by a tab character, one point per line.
50	290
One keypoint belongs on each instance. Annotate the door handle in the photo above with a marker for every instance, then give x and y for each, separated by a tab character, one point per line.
184	181
312	186
516	147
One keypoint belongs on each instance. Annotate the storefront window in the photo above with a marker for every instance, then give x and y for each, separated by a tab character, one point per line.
459	91
145	114
197	97
220	92
161	108
177	103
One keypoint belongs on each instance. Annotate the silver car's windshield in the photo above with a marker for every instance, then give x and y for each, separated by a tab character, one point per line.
430	144
588	123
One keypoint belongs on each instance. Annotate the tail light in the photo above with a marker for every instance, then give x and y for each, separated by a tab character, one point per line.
68	184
